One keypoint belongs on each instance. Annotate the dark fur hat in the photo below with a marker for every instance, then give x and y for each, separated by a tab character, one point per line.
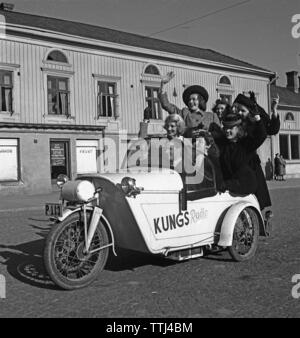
231	120
245	101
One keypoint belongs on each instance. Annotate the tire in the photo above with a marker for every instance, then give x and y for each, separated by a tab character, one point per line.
66	264
245	236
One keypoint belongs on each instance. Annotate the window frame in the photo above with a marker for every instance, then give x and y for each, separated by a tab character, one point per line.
101	96
57	92
61	74
10	87
14	114
225	89
153	100
289	146
115	80
47	62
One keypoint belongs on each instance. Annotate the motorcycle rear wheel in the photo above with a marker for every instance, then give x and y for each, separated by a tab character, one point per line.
67	264
245	236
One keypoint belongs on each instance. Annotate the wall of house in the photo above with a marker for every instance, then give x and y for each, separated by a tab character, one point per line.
27	59
83	64
34	158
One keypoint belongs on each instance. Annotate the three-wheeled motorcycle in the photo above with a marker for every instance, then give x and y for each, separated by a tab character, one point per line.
157	212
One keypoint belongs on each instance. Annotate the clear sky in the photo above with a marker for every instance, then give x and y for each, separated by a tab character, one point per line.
256	31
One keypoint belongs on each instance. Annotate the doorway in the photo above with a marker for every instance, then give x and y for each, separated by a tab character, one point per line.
59	158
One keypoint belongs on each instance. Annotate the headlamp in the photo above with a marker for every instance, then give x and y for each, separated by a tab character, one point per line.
61	180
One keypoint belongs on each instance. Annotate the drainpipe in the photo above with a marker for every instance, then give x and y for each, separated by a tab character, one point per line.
272	138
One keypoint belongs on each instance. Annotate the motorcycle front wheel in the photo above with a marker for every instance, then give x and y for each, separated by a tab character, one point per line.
65	259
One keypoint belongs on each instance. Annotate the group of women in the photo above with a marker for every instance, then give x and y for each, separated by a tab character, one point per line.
236	131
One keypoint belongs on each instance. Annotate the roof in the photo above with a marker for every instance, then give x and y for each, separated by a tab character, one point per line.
287	96
124	38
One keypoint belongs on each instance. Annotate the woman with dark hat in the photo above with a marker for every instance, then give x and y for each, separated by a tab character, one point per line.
194	114
247	108
235	151
198	122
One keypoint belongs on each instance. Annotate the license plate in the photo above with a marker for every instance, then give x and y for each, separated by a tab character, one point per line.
53	209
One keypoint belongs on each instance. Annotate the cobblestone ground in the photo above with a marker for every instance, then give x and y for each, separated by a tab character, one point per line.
139	285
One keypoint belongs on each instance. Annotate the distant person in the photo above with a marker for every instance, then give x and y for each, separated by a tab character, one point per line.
269	170
277	164
282	167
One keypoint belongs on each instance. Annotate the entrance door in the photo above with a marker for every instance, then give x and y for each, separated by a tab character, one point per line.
59	158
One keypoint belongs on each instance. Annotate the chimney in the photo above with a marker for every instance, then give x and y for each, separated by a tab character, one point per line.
292	78
4	6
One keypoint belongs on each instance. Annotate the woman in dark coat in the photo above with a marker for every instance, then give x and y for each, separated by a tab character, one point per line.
235	151
245	107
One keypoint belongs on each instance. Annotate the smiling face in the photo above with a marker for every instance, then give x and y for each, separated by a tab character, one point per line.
193	103
240	110
220	109
231	133
172	130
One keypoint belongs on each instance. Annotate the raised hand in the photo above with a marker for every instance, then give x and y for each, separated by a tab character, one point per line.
275	103
167	78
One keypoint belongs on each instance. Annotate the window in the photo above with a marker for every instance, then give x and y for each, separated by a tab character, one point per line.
106	99
289	146
57	56
151	69
289	117
225	81
152	103
295	147
226	97
9	160
284	146
58	95
6	91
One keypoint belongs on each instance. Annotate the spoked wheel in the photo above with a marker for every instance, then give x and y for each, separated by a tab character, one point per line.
66	261
245	236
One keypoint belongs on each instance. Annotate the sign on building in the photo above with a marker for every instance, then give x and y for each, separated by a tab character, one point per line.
86	153
8	159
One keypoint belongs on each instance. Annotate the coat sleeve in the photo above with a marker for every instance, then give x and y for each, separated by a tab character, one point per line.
166	105
272	124
251	143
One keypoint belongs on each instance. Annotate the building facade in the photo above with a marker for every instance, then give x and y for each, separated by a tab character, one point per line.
67	86
287	142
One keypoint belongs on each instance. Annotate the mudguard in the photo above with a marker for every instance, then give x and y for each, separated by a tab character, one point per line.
230	219
68	212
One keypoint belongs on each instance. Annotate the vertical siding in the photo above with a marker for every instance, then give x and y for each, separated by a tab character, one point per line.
131	95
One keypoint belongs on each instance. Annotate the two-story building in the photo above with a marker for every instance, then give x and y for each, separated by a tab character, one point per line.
287	142
66	86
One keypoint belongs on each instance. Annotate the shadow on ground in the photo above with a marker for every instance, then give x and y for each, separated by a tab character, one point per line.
25	262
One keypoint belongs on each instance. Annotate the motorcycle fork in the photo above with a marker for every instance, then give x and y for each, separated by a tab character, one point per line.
89	232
